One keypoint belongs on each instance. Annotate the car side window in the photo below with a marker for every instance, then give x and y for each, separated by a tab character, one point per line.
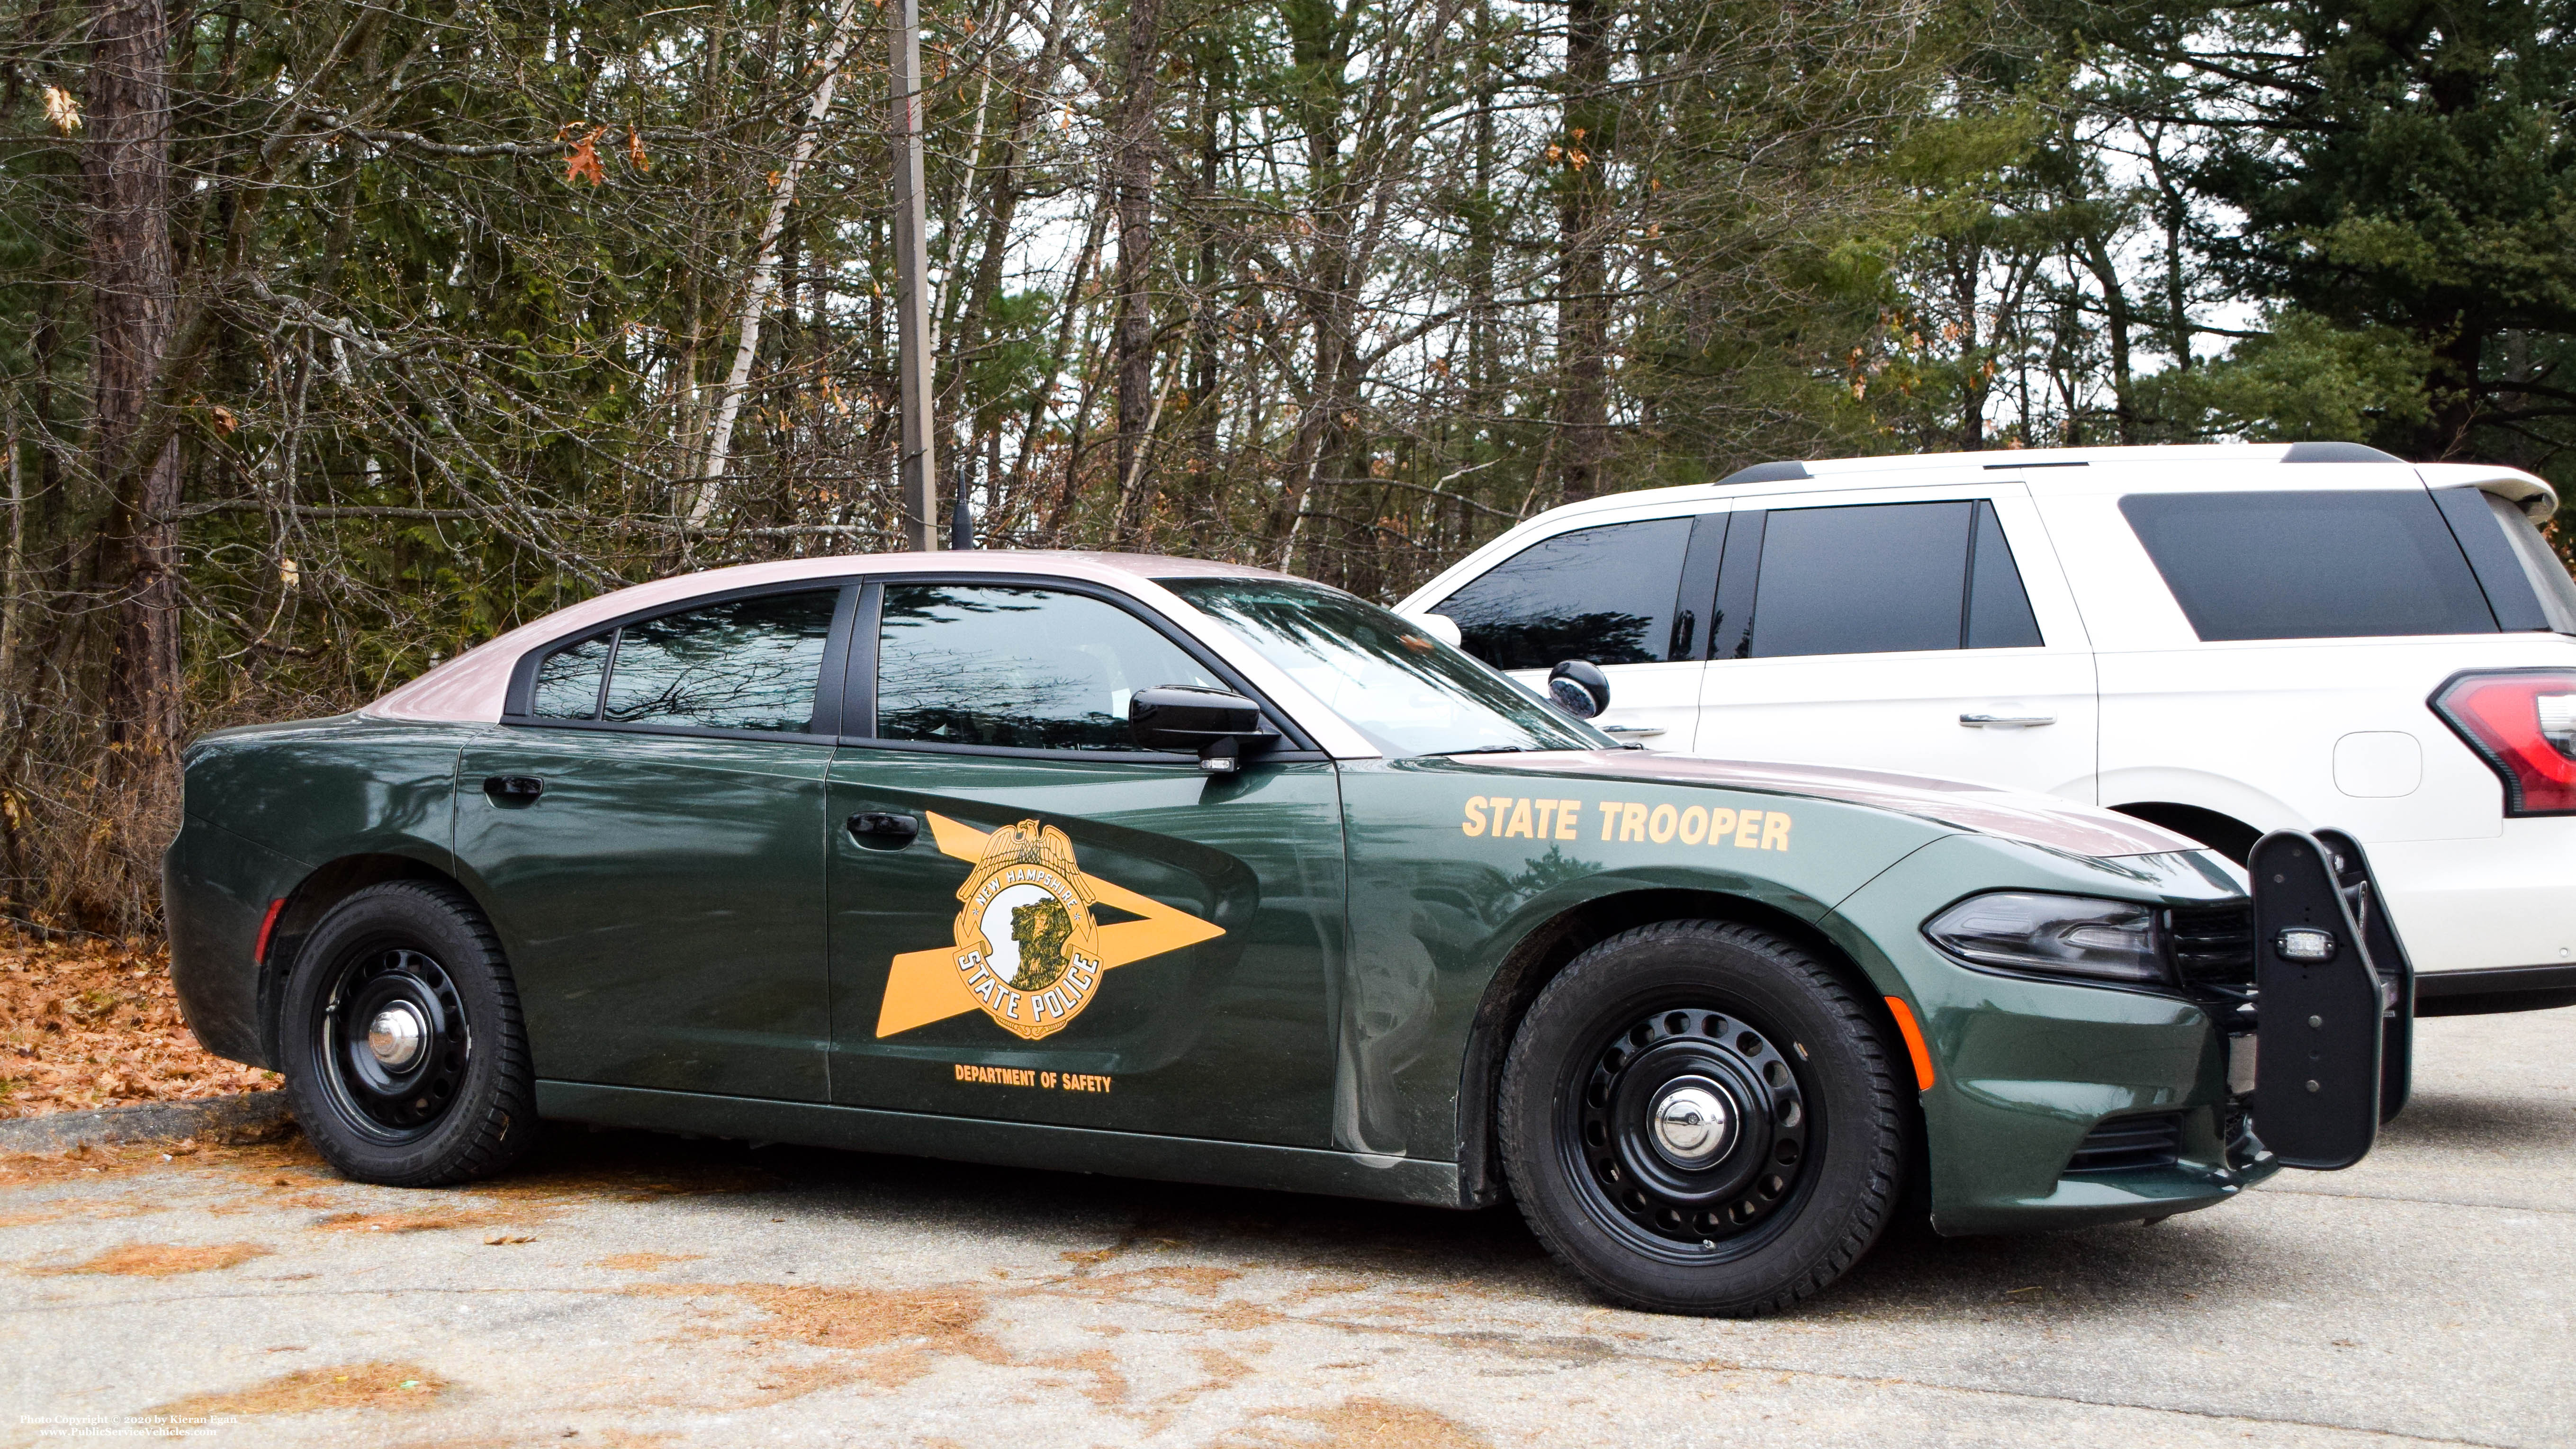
1027	668
1870	579
2342	564
1999	615
568	680
1605	594
744	664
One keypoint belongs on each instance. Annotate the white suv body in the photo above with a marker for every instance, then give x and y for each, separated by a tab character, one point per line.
2224	639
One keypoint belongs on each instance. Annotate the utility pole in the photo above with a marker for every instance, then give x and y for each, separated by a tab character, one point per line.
911	289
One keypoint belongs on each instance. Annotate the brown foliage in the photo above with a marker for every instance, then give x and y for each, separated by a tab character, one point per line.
158	1260
377	1385
96	1024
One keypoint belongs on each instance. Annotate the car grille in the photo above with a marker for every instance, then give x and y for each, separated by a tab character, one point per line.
2122	1144
2213	946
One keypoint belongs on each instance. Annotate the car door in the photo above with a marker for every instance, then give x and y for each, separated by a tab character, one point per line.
1031	920
1919	630
646	830
1631	596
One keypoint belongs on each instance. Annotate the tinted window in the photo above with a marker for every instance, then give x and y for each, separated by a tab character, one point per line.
1603	594
1882	578
1032	668
2325	565
568	681
1408	692
2541	566
748	664
1999	614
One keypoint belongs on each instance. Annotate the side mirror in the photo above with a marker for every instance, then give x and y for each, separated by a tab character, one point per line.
1579	688
1218	725
1438	626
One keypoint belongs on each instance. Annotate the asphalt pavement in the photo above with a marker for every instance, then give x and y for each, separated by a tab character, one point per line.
626	1289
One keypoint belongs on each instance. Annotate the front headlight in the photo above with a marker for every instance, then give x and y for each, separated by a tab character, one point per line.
2054	935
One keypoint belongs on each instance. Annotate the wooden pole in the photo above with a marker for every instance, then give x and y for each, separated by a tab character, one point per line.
912	295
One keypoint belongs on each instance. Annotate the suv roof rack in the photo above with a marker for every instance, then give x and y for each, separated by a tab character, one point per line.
2337	453
1783	472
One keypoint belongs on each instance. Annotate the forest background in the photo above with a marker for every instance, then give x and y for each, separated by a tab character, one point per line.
338	337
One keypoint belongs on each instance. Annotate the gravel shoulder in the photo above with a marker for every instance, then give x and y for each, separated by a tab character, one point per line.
632	1290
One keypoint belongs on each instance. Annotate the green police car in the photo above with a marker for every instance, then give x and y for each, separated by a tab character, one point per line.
1184	870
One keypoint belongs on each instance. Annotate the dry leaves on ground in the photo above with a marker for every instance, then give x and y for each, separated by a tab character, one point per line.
1362	1423
96	1024
159	1260
348	1386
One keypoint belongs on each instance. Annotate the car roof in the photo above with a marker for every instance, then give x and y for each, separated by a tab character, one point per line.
471	686
2040	468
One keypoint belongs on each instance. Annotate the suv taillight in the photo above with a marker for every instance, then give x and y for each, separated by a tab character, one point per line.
2523	723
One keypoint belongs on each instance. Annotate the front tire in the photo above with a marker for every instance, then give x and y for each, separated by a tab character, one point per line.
1699	1117
401	1043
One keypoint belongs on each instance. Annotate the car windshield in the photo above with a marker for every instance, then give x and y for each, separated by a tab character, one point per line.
1408	692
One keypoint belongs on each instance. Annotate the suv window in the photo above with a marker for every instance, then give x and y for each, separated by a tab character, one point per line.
2540	563
1875	579
2310	565
973	664
1604	594
745	664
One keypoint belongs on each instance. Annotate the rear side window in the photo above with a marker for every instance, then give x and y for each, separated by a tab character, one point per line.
745	664
1879	578
1999	615
1604	594
2310	565
568	681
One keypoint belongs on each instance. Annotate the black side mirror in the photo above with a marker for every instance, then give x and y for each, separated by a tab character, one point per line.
1218	725
1579	688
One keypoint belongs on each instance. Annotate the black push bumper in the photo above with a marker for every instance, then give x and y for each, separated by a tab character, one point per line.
2334	1001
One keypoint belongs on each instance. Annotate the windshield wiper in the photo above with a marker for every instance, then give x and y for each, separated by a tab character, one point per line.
1483	750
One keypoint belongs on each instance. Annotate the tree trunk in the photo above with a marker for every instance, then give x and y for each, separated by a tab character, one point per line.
1582	283
2115	313
1132	178
126	168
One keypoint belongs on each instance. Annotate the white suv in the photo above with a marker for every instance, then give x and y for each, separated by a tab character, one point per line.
2224	640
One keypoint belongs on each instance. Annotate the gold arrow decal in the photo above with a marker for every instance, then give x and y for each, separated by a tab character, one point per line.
1035	862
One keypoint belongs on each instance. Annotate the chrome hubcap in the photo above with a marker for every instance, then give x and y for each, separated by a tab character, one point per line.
396	1036
1692	1124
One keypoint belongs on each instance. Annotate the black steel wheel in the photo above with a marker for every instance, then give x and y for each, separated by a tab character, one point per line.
394	1042
400	1039
1689	1132
1700	1117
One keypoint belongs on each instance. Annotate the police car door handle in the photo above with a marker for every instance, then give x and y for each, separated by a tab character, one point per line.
1639	732
2007	721
883	828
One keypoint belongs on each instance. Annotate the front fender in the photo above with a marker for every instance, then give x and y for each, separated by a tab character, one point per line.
1441	900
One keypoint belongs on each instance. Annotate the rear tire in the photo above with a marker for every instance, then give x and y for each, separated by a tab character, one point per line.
401	1043
1699	1117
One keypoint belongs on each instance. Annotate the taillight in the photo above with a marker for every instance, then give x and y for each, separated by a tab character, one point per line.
2523	723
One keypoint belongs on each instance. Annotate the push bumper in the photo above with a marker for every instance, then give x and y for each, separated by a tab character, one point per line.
2334	1001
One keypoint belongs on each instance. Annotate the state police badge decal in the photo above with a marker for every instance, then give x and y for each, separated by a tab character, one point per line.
1029	952
1028	946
